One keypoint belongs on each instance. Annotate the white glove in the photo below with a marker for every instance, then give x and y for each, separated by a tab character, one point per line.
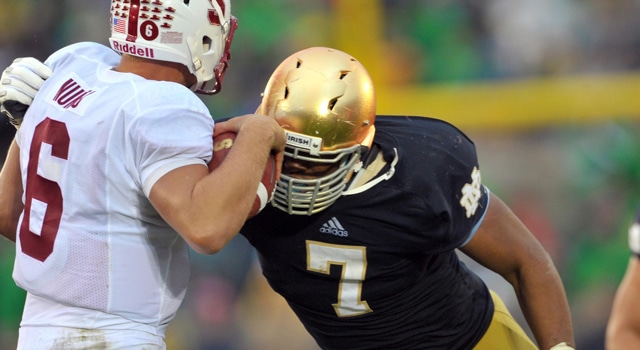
562	346
18	86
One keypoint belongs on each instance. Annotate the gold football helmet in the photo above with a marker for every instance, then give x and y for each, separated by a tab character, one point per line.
325	101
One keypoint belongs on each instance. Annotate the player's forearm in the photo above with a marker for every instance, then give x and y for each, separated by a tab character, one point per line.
544	305
10	194
208	208
235	182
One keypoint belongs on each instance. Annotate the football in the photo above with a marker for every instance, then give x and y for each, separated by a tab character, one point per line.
221	145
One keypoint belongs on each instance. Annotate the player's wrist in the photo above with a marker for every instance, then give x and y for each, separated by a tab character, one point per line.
14	118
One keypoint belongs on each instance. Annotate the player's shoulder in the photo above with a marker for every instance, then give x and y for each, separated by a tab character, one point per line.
429	150
168	95
88	51
417	131
423	125
149	102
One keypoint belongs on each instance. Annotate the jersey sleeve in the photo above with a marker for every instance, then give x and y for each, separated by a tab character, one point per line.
176	131
455	196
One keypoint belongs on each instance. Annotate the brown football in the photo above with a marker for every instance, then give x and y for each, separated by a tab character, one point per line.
221	145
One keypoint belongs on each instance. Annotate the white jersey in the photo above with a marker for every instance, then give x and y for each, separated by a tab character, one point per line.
92	252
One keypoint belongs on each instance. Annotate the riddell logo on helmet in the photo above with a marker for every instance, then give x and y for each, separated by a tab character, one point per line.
133	49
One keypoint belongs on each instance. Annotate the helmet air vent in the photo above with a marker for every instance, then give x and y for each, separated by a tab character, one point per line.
332	103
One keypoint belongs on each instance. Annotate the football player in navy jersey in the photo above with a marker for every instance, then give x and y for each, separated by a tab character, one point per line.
368	213
623	328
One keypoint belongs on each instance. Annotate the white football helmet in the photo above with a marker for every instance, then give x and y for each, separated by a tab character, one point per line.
196	33
325	101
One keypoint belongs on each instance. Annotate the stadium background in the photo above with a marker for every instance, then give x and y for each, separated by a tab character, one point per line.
544	87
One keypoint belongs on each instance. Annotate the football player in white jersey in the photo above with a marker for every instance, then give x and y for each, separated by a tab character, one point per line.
106	182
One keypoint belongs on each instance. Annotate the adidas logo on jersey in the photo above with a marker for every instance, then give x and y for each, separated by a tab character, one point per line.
333	227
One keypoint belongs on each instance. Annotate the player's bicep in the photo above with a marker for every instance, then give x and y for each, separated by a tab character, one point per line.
172	193
503	243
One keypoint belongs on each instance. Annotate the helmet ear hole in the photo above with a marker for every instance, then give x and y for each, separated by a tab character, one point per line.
206	44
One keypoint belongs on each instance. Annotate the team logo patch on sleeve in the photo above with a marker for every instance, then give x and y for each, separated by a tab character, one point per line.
471	193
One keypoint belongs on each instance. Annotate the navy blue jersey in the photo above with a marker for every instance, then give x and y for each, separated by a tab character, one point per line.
377	269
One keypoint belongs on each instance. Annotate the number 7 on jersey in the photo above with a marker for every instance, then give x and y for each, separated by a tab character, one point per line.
353	259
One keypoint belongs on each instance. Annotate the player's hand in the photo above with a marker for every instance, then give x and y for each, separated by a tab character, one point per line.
261	122
18	86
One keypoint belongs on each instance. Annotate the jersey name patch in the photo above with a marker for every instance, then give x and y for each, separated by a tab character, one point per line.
71	94
471	193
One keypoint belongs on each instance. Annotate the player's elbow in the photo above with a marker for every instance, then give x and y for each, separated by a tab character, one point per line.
208	231
208	241
208	247
8	223
8	232
534	266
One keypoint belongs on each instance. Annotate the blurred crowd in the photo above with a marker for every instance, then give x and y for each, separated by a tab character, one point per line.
575	186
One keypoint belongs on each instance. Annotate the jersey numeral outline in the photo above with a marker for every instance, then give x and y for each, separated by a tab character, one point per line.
39	245
353	259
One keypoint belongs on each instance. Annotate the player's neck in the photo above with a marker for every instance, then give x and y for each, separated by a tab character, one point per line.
156	70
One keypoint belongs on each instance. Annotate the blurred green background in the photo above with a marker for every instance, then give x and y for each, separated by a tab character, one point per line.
544	87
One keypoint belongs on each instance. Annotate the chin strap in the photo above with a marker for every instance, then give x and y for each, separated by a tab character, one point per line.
368	185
